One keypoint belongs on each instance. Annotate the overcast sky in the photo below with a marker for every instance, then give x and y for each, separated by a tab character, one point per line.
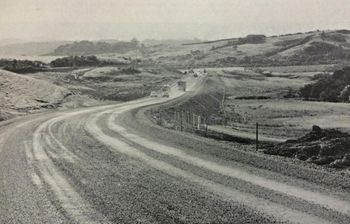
166	19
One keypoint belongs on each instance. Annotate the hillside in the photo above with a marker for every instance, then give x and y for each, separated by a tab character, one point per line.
317	47
21	94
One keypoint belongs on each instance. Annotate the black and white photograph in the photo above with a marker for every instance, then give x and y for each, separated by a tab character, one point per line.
174	111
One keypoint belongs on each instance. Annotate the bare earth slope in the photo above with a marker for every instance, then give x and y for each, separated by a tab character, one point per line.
21	94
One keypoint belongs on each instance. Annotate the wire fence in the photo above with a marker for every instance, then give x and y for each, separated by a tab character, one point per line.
187	121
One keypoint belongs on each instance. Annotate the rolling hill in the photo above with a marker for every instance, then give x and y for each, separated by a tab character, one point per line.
315	47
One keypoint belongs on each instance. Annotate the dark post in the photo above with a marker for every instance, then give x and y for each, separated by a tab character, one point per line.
160	118
189	121
186	120
175	120
190	117
181	120
193	121
206	128
257	136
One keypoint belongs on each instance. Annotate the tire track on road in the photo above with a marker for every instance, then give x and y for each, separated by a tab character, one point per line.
324	200
77	208
41	156
266	207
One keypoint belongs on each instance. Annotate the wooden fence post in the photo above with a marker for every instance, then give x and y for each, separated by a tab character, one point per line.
160	119
257	136
193	121
188	120
199	122
206	128
181	120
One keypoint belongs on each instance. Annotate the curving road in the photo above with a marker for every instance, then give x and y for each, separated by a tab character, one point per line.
110	164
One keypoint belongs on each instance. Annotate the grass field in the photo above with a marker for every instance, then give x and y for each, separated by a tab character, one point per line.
273	102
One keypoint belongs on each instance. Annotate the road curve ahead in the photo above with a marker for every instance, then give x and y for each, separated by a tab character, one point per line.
106	164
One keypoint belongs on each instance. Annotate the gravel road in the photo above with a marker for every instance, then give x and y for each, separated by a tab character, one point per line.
109	164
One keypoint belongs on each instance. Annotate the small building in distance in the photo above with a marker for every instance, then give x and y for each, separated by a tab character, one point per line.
181	85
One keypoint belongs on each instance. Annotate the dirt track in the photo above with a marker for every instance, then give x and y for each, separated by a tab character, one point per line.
109	164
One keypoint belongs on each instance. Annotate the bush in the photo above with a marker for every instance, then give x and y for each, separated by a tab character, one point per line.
22	66
331	88
81	61
75	61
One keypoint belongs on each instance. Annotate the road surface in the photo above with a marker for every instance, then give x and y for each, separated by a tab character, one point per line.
109	164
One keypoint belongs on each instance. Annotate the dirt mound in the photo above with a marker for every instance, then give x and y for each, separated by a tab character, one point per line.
22	94
328	147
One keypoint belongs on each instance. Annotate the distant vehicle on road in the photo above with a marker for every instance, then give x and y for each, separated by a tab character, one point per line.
165	94
153	94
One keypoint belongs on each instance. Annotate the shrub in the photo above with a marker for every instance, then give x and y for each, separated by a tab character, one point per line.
329	87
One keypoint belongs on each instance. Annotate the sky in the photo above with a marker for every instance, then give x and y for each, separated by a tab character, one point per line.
38	20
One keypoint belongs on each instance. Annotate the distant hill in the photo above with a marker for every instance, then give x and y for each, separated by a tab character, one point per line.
316	47
92	48
30	48
150	42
